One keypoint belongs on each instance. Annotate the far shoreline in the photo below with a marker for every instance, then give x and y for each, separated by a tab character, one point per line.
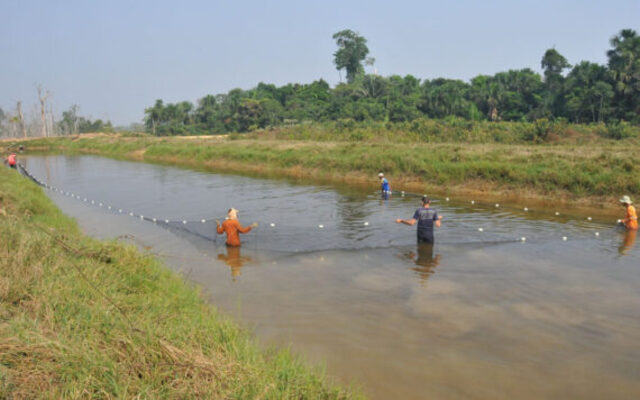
187	149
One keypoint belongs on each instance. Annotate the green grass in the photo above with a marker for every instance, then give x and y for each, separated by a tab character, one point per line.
603	169
81	318
454	130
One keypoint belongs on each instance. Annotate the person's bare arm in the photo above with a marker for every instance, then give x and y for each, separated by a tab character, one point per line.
244	229
439	222
411	221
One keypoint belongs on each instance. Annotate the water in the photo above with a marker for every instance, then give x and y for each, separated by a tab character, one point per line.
481	315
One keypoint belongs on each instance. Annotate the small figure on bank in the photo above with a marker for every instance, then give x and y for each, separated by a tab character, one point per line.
426	217
630	220
384	184
11	160
231	226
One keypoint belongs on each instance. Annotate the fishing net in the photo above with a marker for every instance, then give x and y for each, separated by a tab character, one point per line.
305	234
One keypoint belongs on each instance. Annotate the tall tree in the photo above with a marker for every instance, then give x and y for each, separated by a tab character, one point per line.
154	116
488	95
588	93
42	96
352	51
70	120
3	116
624	64
553	63
21	119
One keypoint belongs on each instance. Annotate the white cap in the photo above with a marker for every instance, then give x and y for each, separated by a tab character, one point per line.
380	175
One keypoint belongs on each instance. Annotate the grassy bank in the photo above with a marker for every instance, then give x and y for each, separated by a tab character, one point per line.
455	130
86	319
593	173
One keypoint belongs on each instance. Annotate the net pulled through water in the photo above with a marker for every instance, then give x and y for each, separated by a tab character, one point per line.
339	233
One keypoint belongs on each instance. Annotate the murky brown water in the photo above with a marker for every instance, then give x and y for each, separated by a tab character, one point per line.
478	316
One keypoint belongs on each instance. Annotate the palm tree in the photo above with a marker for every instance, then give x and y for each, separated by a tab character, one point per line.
624	64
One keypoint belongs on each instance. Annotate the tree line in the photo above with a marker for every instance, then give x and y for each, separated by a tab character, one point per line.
42	122
582	93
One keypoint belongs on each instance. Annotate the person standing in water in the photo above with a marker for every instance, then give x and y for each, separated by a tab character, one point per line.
231	226
630	220
385	188
426	217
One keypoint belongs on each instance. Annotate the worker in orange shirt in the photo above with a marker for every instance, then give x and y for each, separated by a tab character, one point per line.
630	220
231	226
11	160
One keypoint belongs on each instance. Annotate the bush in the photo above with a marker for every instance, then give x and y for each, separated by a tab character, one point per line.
622	130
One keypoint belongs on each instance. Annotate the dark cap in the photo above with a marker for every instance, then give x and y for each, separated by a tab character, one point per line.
426	200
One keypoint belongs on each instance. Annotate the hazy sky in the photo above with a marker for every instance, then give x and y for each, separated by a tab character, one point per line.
114	58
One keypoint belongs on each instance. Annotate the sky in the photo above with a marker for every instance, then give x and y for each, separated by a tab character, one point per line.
115	58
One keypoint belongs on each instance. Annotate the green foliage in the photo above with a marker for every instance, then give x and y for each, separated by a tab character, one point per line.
553	64
622	130
590	93
352	51
624	64
72	123
443	97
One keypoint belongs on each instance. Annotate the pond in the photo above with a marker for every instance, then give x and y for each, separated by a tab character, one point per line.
483	314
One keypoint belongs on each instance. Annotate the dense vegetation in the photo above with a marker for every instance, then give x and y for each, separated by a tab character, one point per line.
588	93
87	319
